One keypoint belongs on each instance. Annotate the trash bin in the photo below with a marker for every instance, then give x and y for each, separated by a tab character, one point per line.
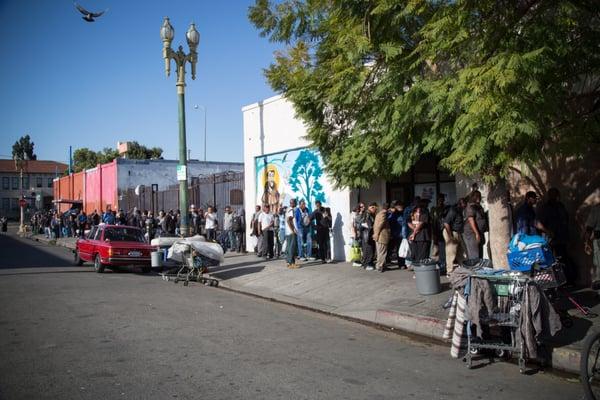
427	275
156	259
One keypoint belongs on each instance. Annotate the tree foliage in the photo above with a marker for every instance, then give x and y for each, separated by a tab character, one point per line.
480	84
85	158
137	151
23	149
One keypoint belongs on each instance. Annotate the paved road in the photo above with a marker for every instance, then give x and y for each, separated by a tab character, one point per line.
69	333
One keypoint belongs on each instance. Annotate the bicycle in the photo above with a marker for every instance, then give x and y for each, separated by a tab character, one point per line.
589	367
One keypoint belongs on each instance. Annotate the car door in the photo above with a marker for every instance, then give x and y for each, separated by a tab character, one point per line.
95	242
83	245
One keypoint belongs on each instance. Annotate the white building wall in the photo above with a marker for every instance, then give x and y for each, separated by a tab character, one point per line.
132	173
270	126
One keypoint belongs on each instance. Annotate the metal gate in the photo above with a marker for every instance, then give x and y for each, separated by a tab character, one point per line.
217	190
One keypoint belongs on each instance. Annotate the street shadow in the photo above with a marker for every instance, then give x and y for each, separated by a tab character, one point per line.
60	271
236	272
16	253
222	272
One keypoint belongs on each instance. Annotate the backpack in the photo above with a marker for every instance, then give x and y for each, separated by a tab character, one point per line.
236	224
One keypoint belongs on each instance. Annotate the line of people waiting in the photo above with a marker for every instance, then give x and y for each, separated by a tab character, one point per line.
450	234
292	232
445	233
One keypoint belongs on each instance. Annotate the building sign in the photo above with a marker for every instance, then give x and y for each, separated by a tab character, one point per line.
182	173
294	174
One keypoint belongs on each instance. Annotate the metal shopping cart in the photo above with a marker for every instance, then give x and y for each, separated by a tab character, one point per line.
498	332
194	257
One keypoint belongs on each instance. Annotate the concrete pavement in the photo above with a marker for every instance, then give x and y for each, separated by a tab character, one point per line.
389	299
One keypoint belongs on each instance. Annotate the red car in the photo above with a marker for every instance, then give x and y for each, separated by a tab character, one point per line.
112	246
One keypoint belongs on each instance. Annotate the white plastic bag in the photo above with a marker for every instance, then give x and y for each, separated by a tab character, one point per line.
404	249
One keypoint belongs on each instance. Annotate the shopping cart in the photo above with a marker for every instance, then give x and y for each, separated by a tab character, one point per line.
499	329
194	257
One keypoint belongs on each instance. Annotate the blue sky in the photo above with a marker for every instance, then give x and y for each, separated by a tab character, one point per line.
68	82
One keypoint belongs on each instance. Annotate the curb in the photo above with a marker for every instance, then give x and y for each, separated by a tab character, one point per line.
564	359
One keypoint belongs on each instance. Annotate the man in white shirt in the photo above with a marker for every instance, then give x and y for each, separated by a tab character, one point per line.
291	235
266	221
211	223
228	227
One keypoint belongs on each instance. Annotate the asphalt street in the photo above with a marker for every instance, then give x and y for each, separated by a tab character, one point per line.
69	333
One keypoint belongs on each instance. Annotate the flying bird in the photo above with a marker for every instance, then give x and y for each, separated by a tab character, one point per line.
87	15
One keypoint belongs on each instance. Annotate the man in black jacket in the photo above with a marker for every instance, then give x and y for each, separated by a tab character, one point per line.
323	223
367	219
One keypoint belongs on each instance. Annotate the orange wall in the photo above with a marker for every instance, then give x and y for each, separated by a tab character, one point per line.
96	187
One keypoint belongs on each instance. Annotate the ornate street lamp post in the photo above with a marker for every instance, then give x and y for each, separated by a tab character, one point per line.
193	38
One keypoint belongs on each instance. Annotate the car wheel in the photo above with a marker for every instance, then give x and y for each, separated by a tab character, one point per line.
98	266
76	259
146	270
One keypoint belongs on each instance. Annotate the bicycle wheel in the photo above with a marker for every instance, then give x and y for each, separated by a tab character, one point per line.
590	367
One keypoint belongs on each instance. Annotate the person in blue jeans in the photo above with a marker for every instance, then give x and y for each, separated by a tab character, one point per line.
303	223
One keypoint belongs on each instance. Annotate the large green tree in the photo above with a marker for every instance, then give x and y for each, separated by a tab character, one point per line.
84	158
23	149
479	83
137	151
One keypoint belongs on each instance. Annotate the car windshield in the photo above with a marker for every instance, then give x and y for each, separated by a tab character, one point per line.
123	235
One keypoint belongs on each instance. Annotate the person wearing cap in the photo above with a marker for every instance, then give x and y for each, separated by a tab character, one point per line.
526	218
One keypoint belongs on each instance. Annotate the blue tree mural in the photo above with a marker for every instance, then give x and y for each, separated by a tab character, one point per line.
305	175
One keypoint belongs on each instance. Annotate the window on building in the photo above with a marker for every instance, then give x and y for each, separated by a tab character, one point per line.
39	182
5	183
50	180
14	203
25	183
15	183
5	204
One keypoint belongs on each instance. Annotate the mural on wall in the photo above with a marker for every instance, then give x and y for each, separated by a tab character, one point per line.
291	174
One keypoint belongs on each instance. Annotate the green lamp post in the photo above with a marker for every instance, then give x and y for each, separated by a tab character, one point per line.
193	38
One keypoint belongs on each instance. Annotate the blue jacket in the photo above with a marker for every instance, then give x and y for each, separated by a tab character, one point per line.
396	220
108	218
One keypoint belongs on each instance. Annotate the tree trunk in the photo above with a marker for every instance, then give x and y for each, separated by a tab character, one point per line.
500	220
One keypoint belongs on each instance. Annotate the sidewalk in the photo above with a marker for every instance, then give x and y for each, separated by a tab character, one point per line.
389	299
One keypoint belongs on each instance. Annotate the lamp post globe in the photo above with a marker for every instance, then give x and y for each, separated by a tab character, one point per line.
193	37
167	32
